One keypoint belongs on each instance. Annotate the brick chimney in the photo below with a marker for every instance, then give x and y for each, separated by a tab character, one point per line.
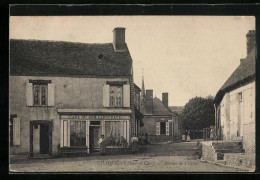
250	36
149	101
165	99
119	39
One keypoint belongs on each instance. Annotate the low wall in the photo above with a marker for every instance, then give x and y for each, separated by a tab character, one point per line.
240	160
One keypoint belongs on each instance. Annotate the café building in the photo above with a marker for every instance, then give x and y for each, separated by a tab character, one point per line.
64	95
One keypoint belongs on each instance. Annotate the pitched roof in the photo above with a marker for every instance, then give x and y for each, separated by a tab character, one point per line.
37	57
245	72
159	108
177	109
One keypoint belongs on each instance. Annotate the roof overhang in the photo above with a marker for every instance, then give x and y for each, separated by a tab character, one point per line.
220	94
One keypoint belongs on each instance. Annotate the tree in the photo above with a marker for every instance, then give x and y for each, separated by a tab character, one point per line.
198	113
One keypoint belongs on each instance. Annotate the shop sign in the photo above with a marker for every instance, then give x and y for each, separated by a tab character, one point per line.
95	117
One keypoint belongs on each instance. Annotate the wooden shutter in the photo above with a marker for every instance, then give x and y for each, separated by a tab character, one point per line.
16	131
157	128
50	94
106	95
126	94
167	128
29	94
61	133
65	133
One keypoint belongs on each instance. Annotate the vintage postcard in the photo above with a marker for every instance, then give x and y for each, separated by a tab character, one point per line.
132	94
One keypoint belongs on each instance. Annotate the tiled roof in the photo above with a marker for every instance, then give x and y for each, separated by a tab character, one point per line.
245	72
37	57
159	108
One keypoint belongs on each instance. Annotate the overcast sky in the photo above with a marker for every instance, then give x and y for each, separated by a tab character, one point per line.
186	56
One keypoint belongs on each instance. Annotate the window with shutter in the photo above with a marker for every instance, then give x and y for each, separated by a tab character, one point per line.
157	128
167	128
40	93
16	131
116	96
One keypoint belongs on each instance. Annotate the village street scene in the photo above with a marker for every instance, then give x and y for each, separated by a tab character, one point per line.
132	94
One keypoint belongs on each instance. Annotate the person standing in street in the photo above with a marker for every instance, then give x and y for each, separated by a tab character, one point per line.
102	146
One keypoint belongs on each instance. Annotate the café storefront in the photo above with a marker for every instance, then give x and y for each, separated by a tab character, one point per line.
82	129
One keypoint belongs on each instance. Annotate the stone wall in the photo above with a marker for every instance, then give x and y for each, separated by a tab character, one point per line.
240	160
208	151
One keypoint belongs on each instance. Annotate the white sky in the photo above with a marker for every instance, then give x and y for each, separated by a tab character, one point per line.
186	56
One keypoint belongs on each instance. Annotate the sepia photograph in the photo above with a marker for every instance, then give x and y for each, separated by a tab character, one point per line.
132	94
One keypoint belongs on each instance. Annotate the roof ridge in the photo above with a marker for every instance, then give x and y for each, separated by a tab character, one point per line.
54	41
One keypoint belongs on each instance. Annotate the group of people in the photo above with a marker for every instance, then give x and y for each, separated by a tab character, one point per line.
135	141
186	137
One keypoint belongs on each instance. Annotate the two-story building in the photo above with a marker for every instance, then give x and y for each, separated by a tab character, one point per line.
66	95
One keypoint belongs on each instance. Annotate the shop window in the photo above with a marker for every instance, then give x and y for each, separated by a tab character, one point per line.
115	132
77	133
116	96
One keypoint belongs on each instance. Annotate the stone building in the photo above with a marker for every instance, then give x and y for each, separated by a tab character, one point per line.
65	95
235	115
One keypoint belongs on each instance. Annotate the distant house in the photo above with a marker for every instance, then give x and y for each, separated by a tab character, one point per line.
160	122
65	95
235	113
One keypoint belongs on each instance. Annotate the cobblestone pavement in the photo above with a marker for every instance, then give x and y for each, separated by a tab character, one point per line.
121	163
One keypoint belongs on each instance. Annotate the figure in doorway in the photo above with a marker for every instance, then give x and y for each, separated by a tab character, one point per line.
102	145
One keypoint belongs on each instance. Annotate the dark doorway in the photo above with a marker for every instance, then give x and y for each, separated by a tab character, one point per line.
44	139
163	128
94	135
40	138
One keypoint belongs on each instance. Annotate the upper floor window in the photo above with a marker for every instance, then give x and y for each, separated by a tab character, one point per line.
40	94
116	96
